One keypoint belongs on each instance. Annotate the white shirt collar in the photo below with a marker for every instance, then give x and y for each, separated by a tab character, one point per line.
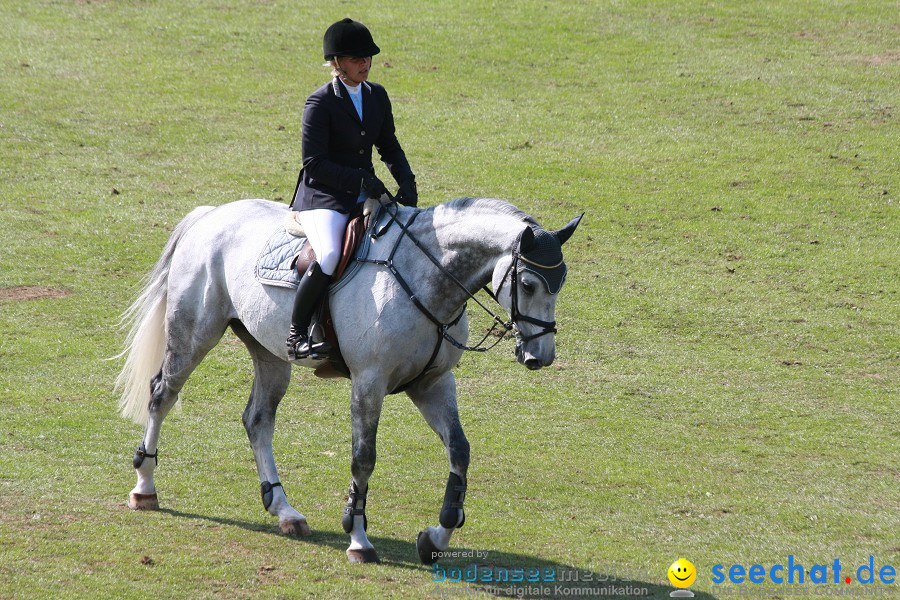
353	89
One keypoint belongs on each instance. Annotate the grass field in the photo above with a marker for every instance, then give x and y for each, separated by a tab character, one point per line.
726	388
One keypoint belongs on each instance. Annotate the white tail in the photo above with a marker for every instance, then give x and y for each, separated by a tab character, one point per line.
145	345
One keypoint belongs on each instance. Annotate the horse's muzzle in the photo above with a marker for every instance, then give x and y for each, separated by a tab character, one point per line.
529	360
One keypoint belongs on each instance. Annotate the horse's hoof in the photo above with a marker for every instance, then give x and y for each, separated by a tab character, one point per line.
366	555
297	528
428	552
143	502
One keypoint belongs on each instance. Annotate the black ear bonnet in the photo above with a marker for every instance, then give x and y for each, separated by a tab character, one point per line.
540	253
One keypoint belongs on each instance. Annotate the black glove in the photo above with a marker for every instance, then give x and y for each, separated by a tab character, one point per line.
408	195
372	186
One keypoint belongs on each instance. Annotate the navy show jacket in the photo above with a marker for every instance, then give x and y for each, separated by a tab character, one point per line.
336	145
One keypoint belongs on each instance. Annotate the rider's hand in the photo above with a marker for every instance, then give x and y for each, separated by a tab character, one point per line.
408	195
372	186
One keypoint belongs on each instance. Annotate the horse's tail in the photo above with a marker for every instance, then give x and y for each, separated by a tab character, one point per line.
146	342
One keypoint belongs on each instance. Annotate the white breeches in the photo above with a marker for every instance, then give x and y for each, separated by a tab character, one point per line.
325	231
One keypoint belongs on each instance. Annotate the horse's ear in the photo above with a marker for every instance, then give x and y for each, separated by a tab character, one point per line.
566	232
526	243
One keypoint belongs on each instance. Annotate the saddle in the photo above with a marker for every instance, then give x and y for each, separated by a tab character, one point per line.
353	235
322	326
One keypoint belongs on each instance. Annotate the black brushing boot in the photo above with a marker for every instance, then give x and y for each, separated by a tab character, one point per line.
312	287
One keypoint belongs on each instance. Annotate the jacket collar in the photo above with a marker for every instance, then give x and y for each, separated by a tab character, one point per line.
346	102
338	87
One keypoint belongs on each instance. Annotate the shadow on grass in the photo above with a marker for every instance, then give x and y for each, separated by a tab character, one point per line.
525	576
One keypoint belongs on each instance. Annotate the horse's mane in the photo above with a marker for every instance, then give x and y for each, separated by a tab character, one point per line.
490	205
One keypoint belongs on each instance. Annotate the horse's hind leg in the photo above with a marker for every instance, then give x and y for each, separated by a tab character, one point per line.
188	339
143	496
182	356
436	400
272	376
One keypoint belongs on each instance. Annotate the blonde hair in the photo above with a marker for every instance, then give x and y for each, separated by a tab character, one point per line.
333	65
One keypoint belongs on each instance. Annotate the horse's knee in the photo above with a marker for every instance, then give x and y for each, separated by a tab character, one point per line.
458	448
362	467
252	417
363	461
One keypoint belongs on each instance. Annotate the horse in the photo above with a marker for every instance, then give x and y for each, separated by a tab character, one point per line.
398	322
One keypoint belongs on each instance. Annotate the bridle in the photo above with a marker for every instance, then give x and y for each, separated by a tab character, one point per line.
516	316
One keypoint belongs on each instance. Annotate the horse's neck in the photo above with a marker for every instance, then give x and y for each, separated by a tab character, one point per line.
468	247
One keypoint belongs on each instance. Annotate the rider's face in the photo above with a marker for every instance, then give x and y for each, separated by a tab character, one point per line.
354	70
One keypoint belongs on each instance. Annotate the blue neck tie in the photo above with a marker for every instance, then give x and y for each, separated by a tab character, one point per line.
357	103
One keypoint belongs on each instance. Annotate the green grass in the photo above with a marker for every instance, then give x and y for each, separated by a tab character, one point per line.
726	386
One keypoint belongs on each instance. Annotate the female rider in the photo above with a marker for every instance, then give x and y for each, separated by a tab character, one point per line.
342	120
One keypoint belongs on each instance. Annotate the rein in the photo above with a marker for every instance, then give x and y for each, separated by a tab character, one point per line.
443	328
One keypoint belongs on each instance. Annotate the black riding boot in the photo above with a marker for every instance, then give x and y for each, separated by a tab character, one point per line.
312	287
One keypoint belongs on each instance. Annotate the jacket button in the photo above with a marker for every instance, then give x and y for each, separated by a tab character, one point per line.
362	151
362	133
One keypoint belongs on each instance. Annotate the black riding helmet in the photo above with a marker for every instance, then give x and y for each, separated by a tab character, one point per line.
349	38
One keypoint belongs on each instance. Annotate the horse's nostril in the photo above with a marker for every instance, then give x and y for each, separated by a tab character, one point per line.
533	364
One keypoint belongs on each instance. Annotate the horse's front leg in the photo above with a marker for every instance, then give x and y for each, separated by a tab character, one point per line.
436	400
365	412
269	386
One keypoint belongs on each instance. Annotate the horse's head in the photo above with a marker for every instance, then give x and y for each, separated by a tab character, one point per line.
527	284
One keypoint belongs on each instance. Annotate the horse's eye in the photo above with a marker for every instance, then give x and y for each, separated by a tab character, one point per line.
528	287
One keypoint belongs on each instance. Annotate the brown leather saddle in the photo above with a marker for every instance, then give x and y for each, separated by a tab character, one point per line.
322	326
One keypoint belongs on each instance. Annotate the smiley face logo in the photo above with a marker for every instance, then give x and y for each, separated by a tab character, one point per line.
682	573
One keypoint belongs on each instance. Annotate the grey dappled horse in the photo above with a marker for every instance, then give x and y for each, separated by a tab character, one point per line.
204	283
